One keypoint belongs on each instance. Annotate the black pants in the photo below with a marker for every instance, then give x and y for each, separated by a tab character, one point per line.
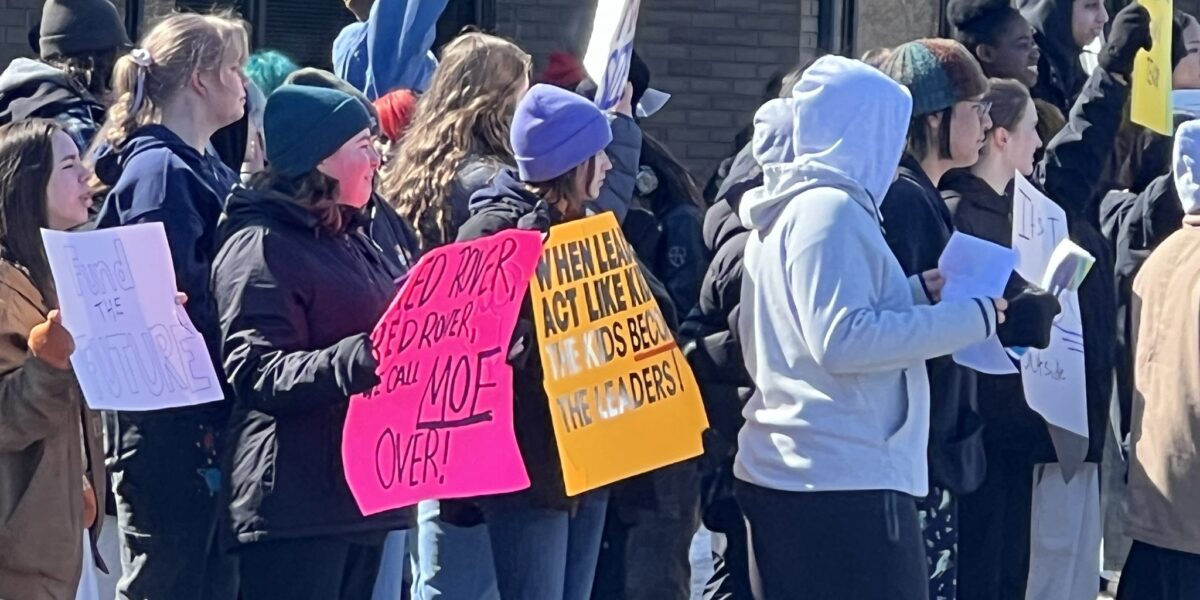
315	568
1153	573
994	529
833	545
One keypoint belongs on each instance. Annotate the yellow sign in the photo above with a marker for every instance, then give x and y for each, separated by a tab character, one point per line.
622	397
1152	72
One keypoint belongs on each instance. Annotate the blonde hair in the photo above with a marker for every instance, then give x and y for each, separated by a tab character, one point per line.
174	49
467	109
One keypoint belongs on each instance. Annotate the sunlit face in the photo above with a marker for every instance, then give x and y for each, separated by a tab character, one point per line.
969	123
353	166
224	89
588	179
67	195
1019	144
1015	55
1087	21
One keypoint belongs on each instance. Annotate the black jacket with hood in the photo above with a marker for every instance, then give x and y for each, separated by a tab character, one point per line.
297	306
1060	75
34	89
157	177
1069	174
494	209
917	225
1009	423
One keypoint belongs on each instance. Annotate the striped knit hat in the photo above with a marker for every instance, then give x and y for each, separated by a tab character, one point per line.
937	72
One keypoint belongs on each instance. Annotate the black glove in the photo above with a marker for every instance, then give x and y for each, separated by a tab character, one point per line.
1130	32
536	220
1028	319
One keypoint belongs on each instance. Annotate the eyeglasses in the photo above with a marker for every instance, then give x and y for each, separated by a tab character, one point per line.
982	109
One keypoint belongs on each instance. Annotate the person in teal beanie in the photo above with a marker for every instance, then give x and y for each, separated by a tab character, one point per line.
299	288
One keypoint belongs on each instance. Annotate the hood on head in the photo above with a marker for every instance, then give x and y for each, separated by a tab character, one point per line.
1185	160
772	141
848	129
1052	19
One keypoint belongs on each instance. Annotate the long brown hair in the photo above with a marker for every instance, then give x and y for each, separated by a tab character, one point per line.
315	191
178	46
467	109
26	164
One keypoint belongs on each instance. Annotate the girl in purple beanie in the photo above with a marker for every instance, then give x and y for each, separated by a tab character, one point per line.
545	545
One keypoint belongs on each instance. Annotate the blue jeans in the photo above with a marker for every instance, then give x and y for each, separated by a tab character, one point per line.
449	562
545	554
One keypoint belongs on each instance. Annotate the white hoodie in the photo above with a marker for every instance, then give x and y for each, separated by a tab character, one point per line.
829	326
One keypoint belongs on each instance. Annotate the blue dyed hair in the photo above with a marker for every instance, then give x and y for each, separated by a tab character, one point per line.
268	69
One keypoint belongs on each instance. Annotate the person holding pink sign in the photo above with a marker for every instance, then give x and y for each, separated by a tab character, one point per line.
300	287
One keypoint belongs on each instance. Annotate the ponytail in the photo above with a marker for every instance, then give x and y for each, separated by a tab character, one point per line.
148	78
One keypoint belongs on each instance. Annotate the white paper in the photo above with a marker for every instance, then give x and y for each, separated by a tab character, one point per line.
609	49
652	101
1054	379
976	268
135	348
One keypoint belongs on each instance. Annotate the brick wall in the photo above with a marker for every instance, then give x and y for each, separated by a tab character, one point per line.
16	19
713	56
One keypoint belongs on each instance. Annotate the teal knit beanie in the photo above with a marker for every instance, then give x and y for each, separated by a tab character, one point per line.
304	125
937	72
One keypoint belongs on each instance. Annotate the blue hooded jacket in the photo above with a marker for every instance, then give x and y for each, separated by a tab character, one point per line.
157	177
389	51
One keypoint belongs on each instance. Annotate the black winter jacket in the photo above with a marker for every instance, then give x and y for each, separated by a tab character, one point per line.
917	225
297	307
1069	174
1008	421
495	209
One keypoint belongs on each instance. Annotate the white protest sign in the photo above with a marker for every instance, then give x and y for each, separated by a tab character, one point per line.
135	348
976	268
610	48
1054	379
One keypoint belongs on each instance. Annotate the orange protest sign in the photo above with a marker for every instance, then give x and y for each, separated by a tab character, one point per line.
622	397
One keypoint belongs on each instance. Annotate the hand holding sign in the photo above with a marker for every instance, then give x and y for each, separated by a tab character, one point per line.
610	50
51	342
622	397
1152	69
440	422
137	349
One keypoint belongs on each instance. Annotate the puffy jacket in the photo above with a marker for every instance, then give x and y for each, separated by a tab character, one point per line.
297	306
157	177
495	209
49	442
34	89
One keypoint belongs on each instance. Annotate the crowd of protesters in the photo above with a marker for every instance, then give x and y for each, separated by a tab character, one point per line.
849	456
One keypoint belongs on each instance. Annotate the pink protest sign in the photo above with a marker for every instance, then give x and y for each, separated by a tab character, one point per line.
440	423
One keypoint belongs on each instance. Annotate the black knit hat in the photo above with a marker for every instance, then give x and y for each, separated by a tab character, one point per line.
72	27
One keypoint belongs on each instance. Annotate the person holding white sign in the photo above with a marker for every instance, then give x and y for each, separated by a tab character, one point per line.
172	94
836	435
52	478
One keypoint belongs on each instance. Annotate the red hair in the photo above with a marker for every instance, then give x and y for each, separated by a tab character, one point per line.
395	113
